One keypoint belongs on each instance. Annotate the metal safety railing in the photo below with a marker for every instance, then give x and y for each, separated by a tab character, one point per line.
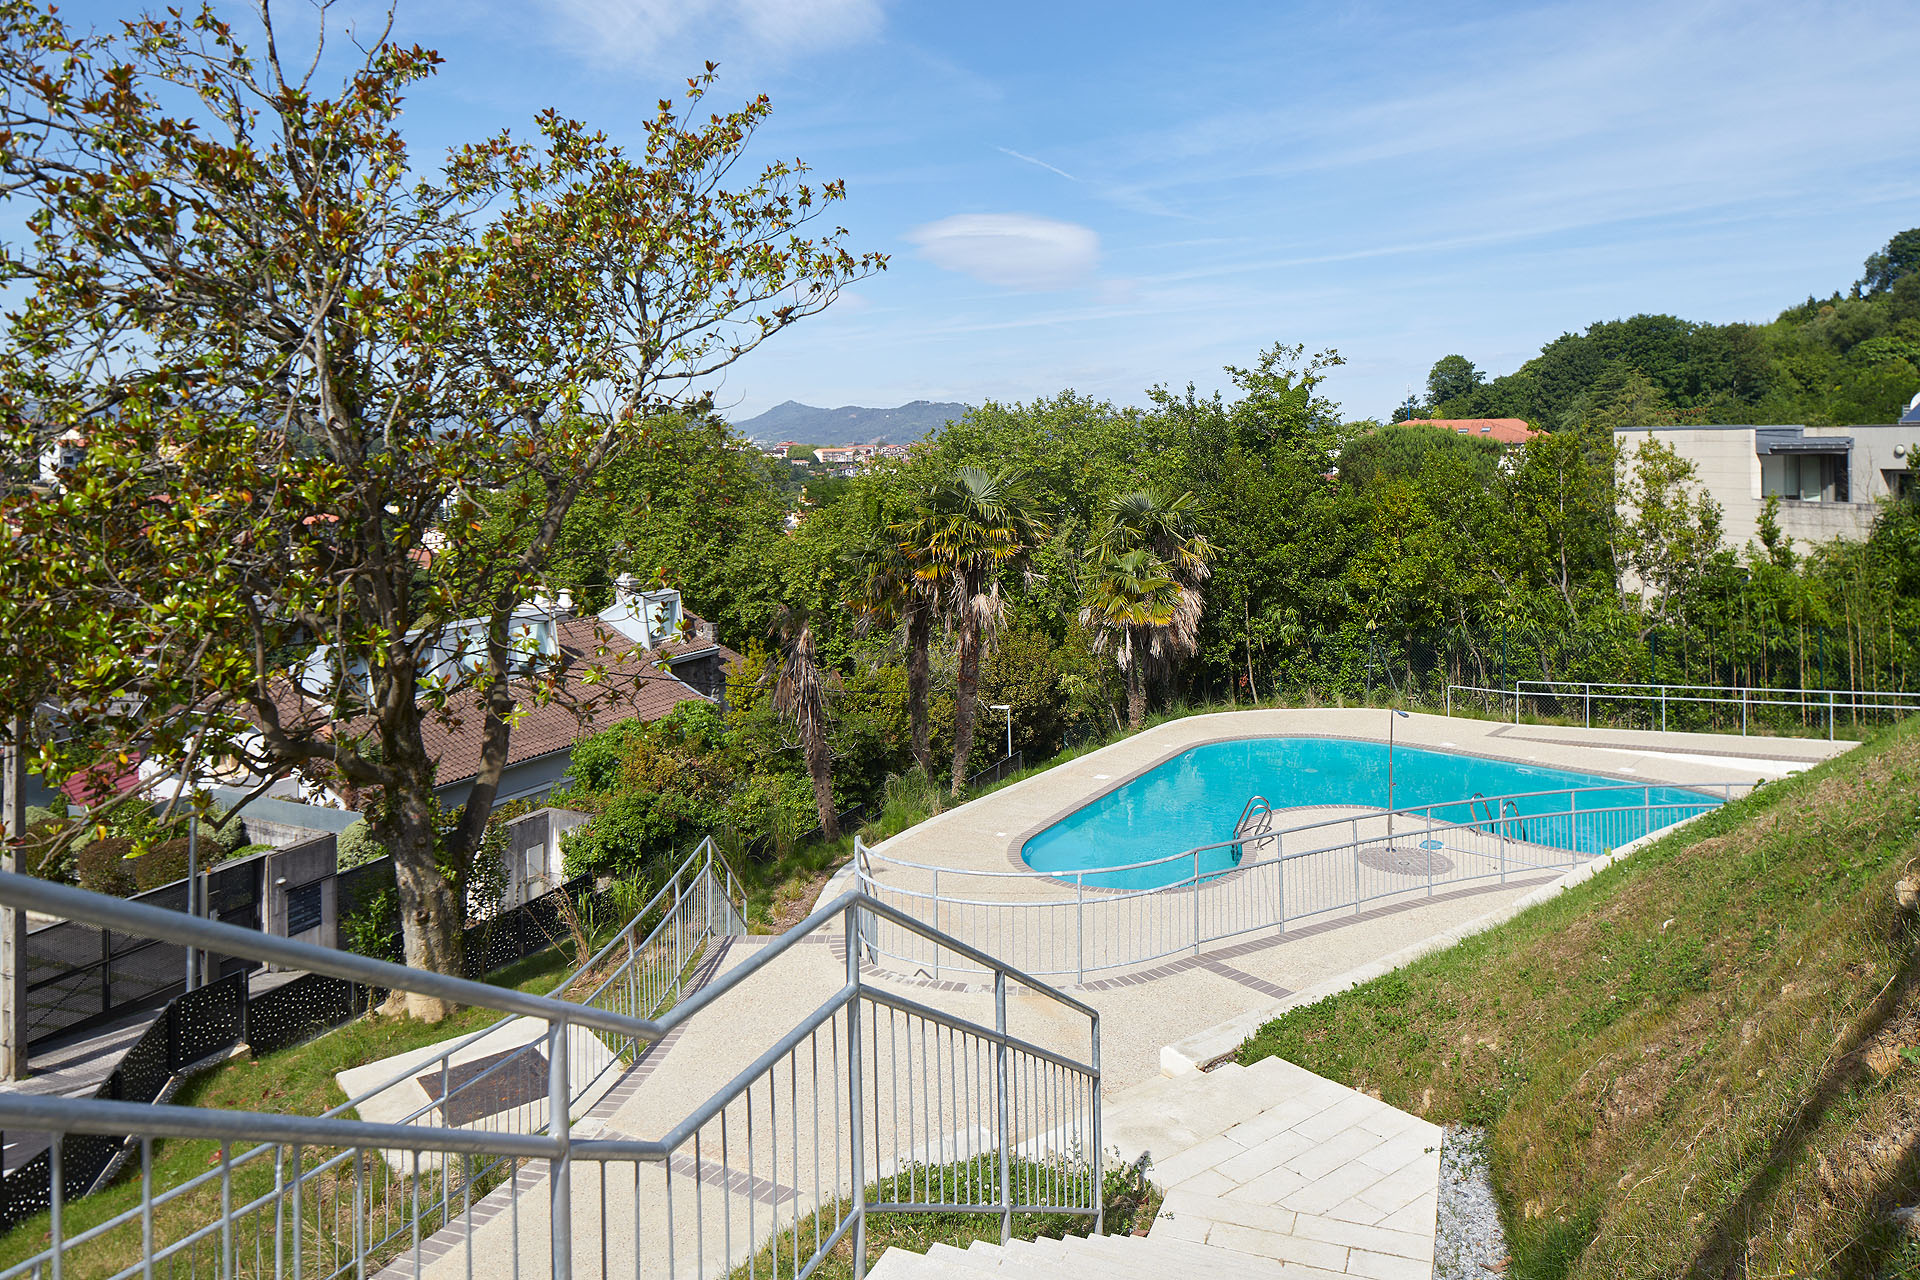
1812	708
871	1103
1072	923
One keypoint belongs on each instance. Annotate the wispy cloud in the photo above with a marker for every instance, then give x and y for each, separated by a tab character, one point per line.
1013	250
1020	155
649	33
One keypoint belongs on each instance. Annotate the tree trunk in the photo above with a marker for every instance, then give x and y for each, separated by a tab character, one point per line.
432	923
919	679
821	770
965	695
1136	689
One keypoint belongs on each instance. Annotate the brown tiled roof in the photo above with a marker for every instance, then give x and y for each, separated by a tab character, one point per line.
1499	430
631	686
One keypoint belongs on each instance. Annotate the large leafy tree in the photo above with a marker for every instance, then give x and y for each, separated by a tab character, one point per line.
299	361
971	525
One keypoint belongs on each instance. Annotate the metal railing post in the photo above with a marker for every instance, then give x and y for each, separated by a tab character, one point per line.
560	1164
1080	927
855	1093
936	923
1354	831
1093	1087
1743	712
1001	1072
1196	902
1586	692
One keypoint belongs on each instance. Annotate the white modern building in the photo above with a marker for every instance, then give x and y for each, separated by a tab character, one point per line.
1830	480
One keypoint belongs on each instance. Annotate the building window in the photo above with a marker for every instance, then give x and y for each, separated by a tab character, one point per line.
1899	484
303	909
1804	477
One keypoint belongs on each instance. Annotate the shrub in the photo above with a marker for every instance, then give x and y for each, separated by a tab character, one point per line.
101	866
165	862
357	847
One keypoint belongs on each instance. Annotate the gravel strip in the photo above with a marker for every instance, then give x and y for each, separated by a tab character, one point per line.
1470	1244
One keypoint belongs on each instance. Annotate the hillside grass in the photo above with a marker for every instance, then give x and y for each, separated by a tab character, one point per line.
1704	1061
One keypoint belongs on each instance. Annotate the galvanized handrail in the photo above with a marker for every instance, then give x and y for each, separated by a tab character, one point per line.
1082	928
1028	1103
1747	697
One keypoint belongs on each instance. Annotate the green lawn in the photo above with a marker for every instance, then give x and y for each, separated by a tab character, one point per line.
1704	1061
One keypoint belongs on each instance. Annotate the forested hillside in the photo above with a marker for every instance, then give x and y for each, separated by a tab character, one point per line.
1851	357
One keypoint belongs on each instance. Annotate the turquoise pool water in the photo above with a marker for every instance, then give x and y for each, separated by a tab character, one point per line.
1196	797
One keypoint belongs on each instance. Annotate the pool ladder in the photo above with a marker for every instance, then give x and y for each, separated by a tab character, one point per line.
1505	818
1254	824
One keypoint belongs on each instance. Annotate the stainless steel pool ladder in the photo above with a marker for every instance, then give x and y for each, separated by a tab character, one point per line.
1254	824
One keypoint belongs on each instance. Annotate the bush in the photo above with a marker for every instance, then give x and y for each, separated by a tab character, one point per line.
102	866
357	847
165	862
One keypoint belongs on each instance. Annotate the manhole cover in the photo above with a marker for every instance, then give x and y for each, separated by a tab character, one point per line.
1403	861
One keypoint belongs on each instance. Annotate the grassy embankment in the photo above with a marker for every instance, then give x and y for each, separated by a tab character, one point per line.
1705	1061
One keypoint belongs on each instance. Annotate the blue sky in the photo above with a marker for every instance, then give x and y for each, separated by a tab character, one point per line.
1104	196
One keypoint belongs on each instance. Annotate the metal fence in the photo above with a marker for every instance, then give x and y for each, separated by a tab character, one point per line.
79	976
1073	923
999	771
871	1103
1690	707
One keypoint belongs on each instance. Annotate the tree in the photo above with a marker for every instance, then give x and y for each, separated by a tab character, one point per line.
800	695
299	368
1140	614
1452	377
969	527
1900	257
891	594
1143	521
1671	529
683	506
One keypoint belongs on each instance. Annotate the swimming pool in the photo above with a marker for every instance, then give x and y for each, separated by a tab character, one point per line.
1196	798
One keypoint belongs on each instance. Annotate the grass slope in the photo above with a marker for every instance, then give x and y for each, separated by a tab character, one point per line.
1705	1061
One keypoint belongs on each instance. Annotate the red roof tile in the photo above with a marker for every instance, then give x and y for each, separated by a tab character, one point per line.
1499	430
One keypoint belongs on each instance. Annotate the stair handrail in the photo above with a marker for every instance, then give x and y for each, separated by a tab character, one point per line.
1078	1111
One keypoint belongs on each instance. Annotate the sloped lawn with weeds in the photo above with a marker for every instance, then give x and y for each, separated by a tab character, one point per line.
1705	1061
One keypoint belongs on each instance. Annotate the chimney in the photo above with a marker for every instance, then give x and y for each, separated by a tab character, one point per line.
625	588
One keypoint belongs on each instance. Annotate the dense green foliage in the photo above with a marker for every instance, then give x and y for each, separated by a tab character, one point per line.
1851	357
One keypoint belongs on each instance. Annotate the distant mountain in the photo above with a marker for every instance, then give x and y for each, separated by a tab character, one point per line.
849	424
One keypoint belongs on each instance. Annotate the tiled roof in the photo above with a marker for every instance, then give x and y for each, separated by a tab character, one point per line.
630	687
1499	430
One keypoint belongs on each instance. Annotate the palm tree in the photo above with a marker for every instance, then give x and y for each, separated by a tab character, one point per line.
1141	521
889	594
970	526
800	695
1138	612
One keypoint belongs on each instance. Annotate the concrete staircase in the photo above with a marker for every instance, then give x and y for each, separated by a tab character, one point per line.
1269	1170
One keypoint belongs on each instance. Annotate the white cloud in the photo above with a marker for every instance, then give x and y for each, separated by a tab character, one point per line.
679	33
1014	250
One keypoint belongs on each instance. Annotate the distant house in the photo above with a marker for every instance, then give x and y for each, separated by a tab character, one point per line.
1913	411
1509	432
657	656
1829	481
